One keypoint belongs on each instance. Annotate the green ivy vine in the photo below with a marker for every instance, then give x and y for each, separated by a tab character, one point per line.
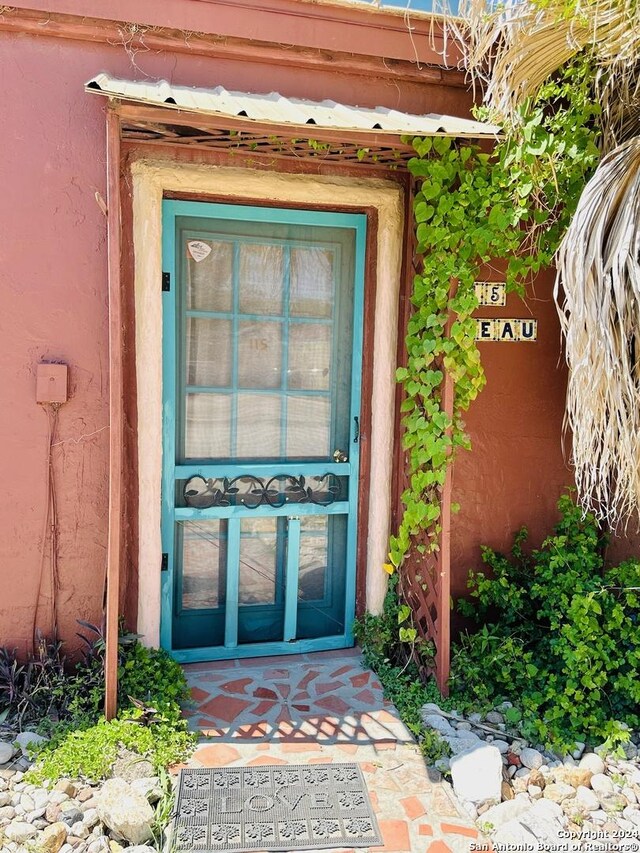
474	207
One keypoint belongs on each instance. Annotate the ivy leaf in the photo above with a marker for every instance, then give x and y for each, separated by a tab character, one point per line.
513	715
423	211
404	612
431	190
407	635
422	146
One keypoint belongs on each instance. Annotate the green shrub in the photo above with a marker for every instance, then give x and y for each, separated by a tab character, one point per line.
378	635
66	703
391	635
89	752
151	675
559	635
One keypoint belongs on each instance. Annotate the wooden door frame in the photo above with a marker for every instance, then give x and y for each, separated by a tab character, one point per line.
156	175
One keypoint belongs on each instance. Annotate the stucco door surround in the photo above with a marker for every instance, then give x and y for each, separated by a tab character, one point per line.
151	180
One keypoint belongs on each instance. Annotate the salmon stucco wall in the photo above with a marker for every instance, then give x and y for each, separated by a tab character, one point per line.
53	292
516	470
53	295
53	299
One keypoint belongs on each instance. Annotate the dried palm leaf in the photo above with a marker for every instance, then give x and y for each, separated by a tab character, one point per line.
598	297
620	103
514	48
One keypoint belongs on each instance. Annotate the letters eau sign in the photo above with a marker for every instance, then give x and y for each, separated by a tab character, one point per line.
506	330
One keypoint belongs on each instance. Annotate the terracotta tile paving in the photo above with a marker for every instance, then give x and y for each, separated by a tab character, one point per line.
325	708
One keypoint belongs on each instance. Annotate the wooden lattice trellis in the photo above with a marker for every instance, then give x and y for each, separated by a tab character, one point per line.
424	581
425	586
312	144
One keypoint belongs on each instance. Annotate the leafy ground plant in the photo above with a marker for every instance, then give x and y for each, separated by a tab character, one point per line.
66	702
394	660
164	808
90	752
34	689
145	674
558	634
391	637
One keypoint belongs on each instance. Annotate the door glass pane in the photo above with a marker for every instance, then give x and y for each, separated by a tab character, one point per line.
321	588
209	276
258	560
312	277
258	426
261	279
259	355
204	558
208	352
207	426
309	356
314	555
308	427
297	283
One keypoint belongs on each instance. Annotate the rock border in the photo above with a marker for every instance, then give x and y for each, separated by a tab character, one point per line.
520	794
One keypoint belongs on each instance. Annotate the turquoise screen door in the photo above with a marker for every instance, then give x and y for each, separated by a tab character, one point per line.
262	352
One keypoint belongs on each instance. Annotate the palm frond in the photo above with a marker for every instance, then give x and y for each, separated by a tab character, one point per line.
619	98
598	297
512	49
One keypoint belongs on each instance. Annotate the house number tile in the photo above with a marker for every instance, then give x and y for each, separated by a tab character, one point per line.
491	293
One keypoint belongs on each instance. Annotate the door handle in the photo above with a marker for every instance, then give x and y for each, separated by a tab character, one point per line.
356	435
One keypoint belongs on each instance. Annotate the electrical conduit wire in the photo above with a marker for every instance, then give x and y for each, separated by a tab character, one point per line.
49	531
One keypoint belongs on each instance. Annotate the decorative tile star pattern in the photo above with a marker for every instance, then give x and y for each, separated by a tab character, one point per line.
323	708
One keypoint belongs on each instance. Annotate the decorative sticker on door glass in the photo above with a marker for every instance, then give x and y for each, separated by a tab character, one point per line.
199	250
210	278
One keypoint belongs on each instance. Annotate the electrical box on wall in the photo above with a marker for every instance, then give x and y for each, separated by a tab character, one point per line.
52	383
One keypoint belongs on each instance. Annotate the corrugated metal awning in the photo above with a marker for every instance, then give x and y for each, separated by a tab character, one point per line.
276	110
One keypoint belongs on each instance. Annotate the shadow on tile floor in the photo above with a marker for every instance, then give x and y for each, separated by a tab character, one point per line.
325	708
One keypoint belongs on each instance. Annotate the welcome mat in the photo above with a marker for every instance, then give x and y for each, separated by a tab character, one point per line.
298	807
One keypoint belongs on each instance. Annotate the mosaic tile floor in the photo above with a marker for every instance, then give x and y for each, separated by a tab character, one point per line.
319	709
